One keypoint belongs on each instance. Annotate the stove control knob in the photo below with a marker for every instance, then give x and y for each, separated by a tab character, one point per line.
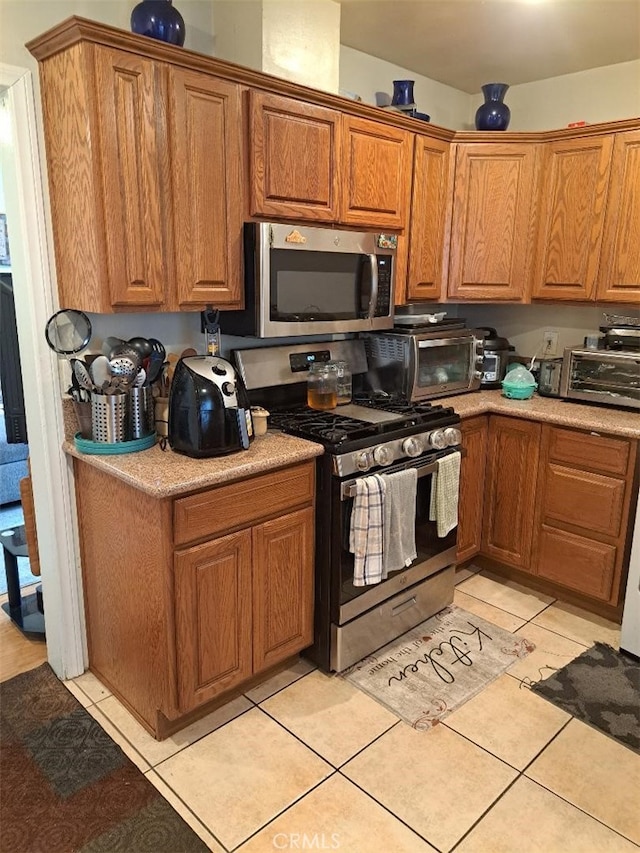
453	436
437	439
383	455
412	446
363	461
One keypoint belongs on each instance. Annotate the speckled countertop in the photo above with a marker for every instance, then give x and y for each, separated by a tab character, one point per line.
164	474
550	410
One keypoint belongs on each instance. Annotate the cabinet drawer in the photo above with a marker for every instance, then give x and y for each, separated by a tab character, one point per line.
240	504
584	450
583	499
577	563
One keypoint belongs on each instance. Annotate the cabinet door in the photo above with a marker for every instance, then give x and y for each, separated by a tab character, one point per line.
282	588
493	220
128	91
376	174
294	158
511	490
206	159
472	474
213	618
428	215
575	178
619	275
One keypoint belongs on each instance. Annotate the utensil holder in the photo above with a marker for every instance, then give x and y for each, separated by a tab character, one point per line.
162	415
141	412
109	415
83	416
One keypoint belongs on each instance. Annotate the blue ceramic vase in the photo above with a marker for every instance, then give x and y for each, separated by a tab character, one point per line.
402	93
493	114
159	20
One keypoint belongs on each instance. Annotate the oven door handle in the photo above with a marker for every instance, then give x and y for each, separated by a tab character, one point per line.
348	490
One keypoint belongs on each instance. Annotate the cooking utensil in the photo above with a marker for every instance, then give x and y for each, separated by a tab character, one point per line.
126	351
68	331
140	379
81	375
154	367
110	344
124	368
100	372
142	346
158	347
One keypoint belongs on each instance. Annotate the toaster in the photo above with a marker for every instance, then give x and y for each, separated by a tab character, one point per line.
209	410
550	377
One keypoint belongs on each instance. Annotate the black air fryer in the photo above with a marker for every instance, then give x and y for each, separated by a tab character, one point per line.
209	410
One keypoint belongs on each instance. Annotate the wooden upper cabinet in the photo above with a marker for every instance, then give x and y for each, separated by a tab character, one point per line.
376	174
493	221
429	204
511	490
206	158
575	178
128	89
619	273
295	157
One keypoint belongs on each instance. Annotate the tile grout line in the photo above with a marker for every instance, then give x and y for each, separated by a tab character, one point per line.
387	809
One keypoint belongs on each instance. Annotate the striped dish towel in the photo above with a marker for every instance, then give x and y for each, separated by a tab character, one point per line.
366	531
443	508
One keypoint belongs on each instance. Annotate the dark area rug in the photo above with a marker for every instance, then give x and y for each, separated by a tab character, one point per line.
601	688
66	786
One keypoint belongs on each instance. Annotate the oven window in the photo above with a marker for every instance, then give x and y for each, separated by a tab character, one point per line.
428	543
440	364
611	378
317	285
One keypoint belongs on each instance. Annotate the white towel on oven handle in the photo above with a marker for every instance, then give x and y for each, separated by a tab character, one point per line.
443	508
366	531
400	519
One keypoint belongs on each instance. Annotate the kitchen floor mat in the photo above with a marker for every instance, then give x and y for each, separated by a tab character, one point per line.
68	786
431	670
601	687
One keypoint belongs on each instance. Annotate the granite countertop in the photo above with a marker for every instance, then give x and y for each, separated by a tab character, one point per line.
164	474
603	419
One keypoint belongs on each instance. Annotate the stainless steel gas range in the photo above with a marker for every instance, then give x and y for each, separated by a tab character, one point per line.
373	434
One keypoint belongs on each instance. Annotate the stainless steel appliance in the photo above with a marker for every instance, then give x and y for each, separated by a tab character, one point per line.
496	358
549	378
423	362
604	376
374	434
302	280
209	411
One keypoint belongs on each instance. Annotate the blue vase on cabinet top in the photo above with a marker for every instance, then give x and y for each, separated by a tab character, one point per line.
158	19
493	114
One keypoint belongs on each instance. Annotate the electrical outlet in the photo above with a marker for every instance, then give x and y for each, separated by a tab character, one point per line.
549	343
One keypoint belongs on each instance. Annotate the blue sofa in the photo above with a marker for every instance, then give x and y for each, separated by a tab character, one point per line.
13	466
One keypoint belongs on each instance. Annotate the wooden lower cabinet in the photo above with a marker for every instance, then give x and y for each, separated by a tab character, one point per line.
512	471
472	475
585	489
188	598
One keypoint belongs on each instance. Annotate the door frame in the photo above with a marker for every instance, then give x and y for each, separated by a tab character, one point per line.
35	300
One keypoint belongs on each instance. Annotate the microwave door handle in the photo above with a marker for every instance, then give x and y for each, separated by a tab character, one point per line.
373	300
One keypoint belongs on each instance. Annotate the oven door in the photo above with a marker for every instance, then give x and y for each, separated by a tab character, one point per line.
433	553
445	365
602	377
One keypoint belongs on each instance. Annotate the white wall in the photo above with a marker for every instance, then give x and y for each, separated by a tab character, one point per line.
609	93
372	79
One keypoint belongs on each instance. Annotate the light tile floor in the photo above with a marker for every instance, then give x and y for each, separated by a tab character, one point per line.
306	761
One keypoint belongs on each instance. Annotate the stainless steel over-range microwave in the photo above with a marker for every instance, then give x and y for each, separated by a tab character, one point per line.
303	280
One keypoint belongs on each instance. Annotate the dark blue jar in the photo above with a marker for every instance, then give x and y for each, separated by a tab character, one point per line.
158	20
493	114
